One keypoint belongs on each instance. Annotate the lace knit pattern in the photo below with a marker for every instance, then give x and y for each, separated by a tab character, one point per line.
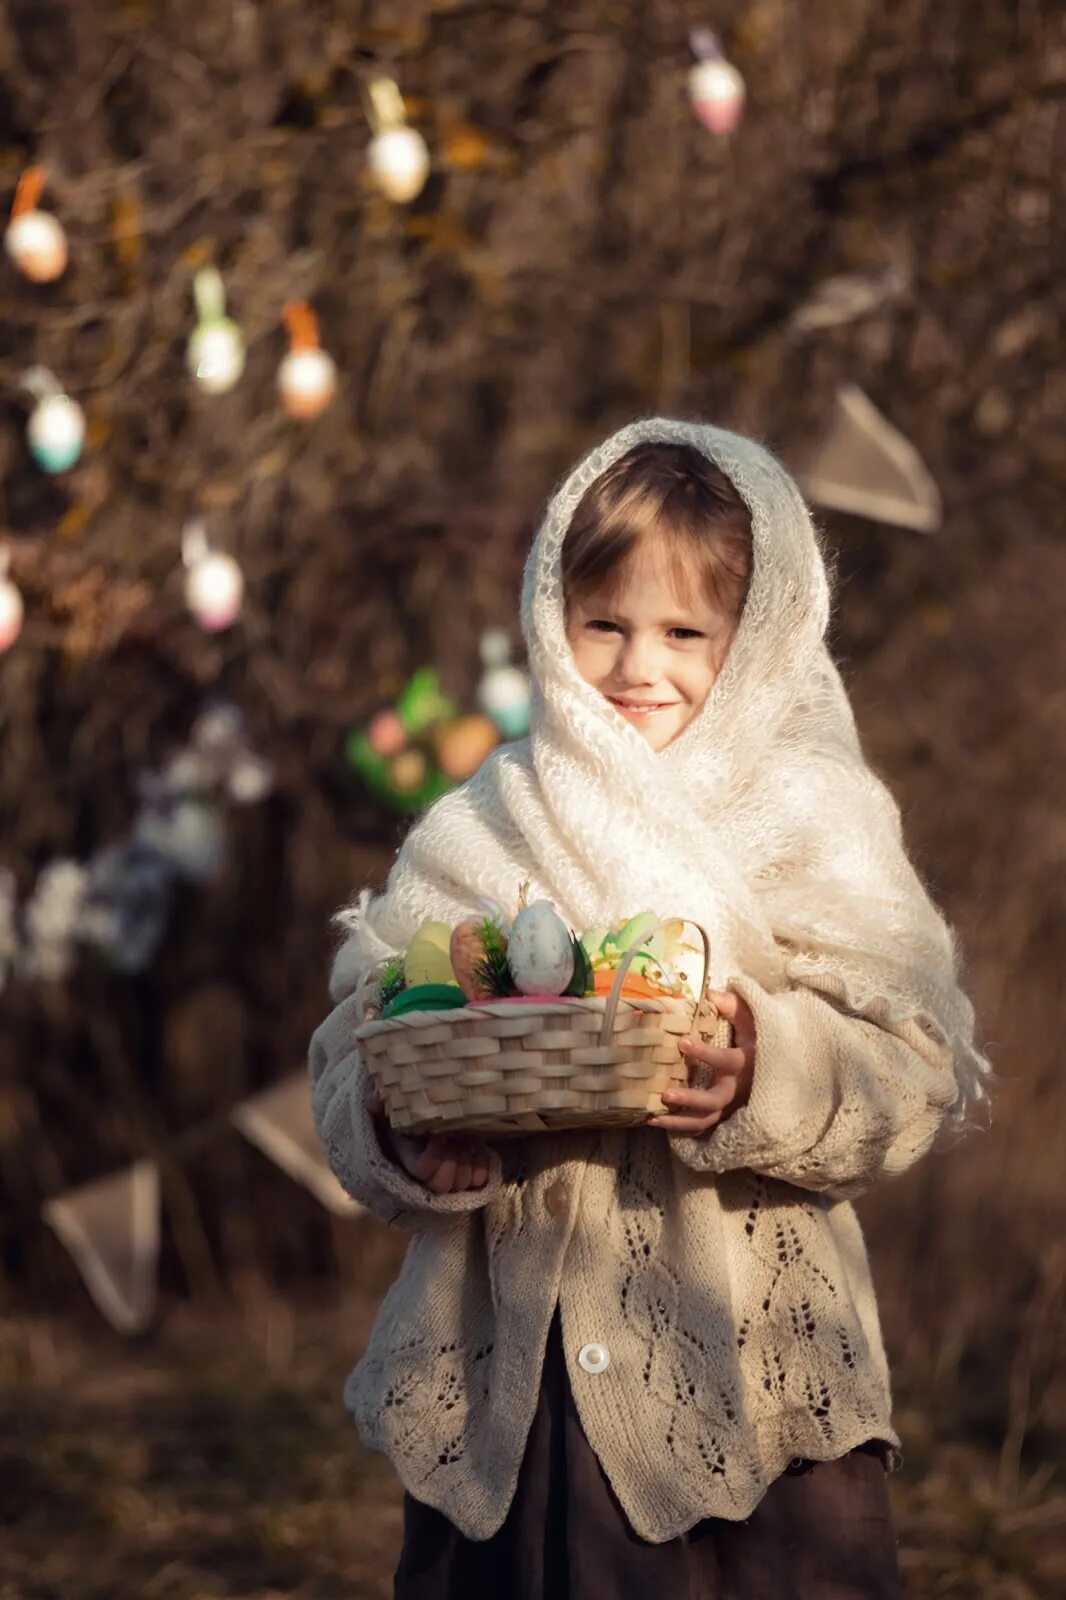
736	1303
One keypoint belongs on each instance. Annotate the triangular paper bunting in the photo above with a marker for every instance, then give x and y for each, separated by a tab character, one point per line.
111	1228
865	466
279	1123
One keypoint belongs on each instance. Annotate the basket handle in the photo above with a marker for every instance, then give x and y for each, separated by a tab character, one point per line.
702	1006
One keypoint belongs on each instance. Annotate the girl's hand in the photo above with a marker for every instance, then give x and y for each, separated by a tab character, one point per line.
446	1164
698	1111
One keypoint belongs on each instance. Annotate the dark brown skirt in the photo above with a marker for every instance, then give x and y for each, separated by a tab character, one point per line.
822	1531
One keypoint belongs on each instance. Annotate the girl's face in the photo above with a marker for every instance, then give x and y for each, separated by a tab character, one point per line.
652	652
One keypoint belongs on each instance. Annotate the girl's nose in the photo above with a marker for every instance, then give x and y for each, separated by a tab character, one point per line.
635	663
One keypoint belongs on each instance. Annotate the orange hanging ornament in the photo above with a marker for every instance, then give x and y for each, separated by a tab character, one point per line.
35	240
307	378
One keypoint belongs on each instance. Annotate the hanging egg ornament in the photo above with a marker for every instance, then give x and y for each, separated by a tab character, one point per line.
504	691
56	430
715	87
35	240
216	352
398	155
307	378
12	609
214	585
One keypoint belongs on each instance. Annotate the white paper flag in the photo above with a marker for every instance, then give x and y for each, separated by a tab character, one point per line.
111	1228
278	1121
865	466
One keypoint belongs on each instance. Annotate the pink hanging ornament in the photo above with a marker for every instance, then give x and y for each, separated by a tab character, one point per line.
12	609
715	87
214	585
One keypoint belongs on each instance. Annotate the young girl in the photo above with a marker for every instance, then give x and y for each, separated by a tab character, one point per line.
649	1361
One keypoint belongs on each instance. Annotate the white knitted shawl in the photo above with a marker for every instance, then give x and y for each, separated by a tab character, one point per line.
761	820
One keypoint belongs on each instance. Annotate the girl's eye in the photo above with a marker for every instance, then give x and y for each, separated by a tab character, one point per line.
687	633
601	623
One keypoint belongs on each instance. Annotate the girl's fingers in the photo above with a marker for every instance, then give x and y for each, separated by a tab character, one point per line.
479	1165
690	1125
699	1101
443	1180
710	1055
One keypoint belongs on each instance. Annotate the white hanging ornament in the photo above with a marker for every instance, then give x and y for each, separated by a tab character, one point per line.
12	609
715	87
504	690
35	240
216	352
398	155
214	586
56	428
307	378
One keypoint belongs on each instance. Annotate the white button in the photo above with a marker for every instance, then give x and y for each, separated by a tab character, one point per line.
594	1357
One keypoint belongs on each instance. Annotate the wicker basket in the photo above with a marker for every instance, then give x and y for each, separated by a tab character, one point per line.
505	1068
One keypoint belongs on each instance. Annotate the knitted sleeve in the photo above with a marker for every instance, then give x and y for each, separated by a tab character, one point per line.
838	1101
339	1091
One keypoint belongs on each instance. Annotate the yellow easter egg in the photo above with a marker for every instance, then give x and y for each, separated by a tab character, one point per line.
427	959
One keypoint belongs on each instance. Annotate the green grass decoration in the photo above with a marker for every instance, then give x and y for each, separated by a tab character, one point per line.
392	982
583	981
492	970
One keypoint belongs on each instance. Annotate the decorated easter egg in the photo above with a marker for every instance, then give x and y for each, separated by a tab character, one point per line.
716	90
12	611
37	244
57	432
399	163
214	591
539	952
307	382
467	952
427	959
386	734
216	355
407	771
463	745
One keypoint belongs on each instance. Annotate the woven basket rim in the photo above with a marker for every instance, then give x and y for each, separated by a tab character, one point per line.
488	1008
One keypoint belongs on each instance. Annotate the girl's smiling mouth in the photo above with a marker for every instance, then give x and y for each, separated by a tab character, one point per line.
640	708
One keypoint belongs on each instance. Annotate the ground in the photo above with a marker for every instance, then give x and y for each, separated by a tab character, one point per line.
215	1461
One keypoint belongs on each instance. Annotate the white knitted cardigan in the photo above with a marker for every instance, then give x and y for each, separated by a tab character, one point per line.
725	1276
